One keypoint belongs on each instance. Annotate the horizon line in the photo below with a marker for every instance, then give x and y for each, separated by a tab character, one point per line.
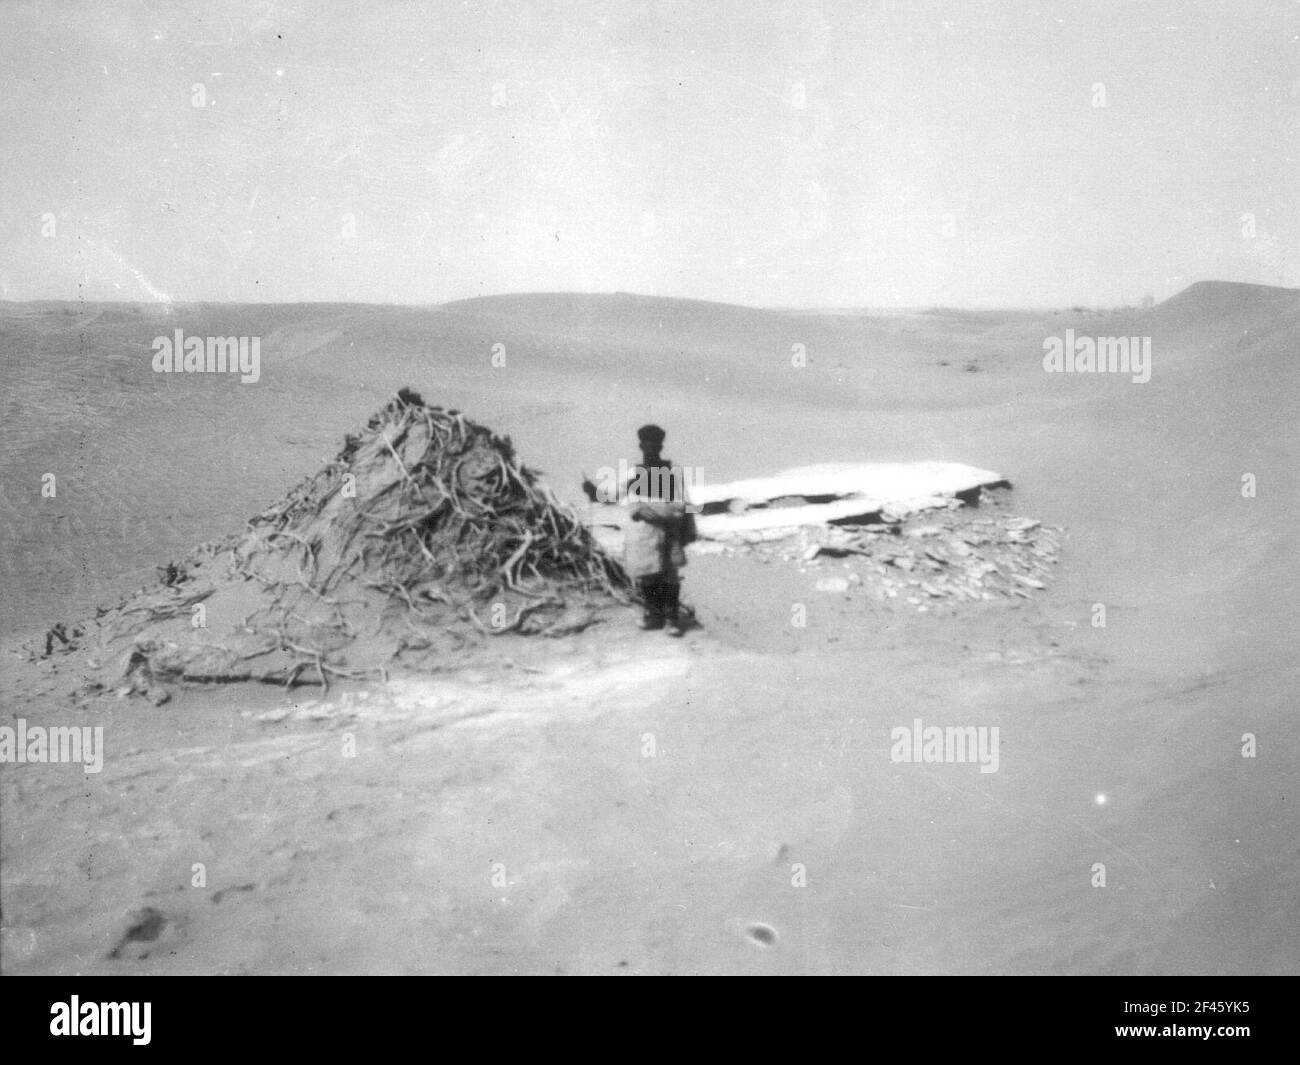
779	309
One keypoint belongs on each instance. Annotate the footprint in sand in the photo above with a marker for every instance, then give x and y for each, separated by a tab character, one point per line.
146	926
217	896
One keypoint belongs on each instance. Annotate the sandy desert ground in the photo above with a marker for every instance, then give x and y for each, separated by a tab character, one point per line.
502	816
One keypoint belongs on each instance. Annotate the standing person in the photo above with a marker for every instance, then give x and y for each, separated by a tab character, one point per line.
653	541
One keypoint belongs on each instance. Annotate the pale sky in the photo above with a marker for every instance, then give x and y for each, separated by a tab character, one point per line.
776	154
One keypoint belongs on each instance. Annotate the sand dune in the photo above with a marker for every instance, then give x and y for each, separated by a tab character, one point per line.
613	860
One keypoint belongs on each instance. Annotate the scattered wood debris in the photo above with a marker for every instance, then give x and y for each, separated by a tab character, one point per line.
957	553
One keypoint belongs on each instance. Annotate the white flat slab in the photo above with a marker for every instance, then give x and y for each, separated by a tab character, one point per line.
883	481
866	490
711	526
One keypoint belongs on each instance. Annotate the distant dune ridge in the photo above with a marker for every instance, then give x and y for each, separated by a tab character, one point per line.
423	533
1229	297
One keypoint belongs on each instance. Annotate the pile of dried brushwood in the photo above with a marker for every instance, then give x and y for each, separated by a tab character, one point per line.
425	532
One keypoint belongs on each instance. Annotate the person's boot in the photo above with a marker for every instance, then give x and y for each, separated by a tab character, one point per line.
672	609
652	616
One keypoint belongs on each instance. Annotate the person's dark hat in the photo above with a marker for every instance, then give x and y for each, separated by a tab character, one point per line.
650	434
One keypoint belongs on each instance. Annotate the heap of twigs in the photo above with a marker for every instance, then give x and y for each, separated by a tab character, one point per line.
424	531
425	501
